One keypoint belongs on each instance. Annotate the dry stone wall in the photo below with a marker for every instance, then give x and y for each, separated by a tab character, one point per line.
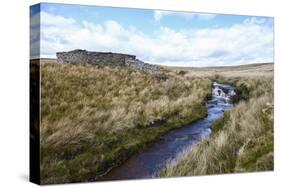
106	58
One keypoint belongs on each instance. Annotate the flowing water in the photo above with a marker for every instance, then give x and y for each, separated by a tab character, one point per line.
150	161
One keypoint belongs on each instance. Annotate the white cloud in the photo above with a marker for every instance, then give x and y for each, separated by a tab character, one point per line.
248	42
205	16
159	14
35	35
49	20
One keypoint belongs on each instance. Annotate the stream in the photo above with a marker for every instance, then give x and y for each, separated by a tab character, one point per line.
151	160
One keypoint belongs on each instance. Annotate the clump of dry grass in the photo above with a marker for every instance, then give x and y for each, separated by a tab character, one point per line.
92	118
243	139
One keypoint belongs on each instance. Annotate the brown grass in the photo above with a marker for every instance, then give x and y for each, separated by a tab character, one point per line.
95	117
244	140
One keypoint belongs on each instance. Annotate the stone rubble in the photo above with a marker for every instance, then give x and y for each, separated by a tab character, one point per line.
106	58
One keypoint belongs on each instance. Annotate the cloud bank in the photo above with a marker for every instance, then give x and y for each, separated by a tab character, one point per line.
159	14
244	43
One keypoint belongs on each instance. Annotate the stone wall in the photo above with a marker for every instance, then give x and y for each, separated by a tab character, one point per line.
105	58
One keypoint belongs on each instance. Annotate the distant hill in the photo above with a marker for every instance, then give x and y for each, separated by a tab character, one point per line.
258	69
236	67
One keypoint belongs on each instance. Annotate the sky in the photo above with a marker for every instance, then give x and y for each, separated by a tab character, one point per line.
154	36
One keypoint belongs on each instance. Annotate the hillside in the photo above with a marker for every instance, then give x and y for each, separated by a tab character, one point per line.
96	117
93	118
250	70
242	141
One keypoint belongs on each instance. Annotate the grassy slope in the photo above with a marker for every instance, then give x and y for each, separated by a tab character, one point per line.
242	141
95	117
252	70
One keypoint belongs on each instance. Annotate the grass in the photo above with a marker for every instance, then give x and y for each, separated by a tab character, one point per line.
242	141
94	118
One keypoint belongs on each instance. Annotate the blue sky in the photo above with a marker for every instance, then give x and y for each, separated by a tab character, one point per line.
159	37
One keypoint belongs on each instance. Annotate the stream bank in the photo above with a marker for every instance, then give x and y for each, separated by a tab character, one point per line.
150	161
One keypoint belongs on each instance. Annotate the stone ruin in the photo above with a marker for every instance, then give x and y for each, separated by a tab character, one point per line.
106	58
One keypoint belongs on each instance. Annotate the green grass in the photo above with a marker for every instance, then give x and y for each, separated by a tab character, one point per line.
242	141
94	118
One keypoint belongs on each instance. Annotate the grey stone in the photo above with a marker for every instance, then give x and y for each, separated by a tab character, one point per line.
106	58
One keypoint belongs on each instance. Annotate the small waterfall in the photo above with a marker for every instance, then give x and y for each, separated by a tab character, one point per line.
223	93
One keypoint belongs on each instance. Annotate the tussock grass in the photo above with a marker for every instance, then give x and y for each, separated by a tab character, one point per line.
93	118
242	141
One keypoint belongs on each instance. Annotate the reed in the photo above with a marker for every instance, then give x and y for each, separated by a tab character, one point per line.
242	141
93	118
